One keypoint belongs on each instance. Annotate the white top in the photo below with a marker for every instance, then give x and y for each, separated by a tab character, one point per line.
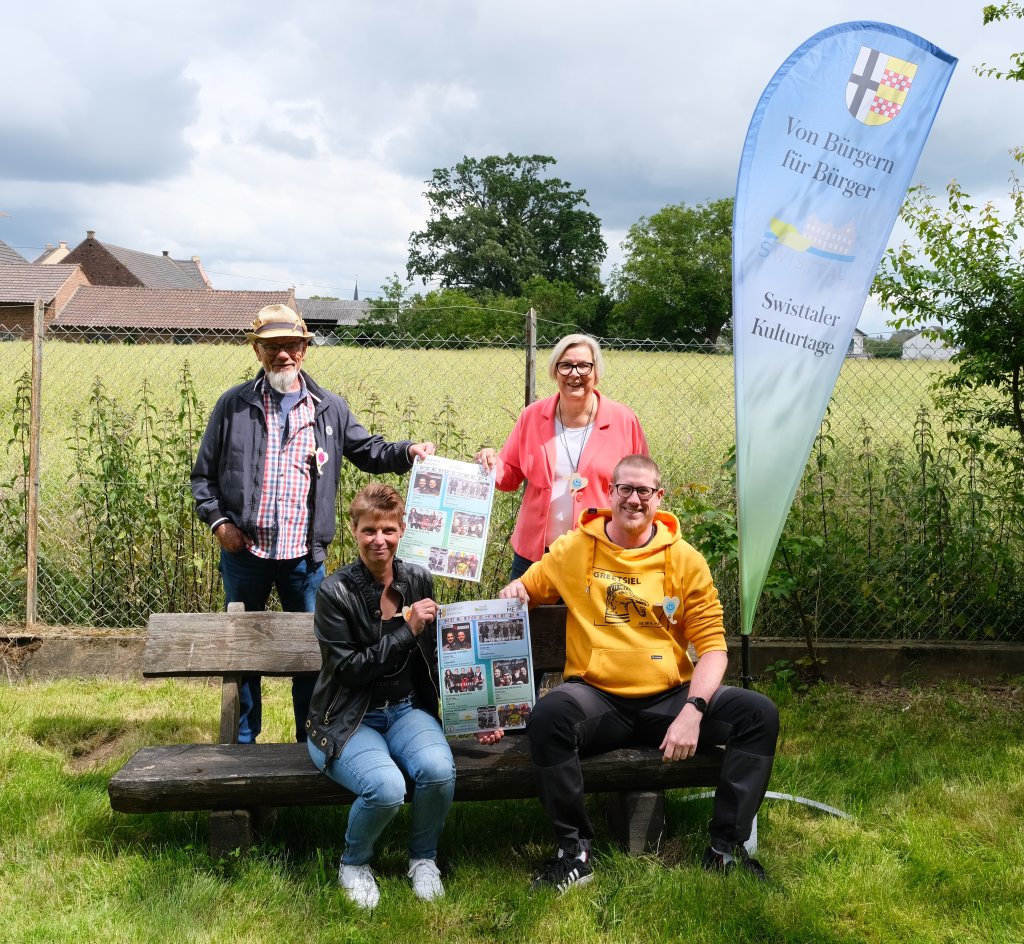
569	445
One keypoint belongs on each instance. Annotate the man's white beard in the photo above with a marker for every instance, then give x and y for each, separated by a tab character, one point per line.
282	380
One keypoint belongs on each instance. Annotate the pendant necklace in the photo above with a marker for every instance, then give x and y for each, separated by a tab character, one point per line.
577	482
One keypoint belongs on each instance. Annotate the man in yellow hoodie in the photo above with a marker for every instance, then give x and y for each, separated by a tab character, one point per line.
637	596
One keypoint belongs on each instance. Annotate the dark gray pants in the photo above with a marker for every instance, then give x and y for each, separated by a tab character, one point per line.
577	720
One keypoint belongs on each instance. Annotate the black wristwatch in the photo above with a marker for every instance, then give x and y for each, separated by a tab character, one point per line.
699	703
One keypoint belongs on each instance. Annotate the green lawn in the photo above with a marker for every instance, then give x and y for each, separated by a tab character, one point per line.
933	776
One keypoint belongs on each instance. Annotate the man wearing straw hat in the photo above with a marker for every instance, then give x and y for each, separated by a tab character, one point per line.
266	481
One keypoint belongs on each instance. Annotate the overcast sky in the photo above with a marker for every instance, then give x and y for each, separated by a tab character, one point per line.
288	144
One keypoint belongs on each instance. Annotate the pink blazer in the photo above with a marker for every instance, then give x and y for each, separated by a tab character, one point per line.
529	455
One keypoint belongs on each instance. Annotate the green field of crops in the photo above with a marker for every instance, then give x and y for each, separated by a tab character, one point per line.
464	398
894	532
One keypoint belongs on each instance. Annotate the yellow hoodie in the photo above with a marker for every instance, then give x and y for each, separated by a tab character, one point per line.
617	635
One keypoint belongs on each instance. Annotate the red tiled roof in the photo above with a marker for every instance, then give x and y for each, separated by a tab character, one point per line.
23	283
111	306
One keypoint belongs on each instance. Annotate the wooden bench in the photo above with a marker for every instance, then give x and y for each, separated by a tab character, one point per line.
237	783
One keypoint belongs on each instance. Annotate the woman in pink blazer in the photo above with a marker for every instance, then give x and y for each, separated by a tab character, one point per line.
564	447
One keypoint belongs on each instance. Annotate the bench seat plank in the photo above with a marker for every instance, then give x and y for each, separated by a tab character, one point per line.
234	776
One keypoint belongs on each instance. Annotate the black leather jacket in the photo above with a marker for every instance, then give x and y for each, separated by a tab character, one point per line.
355	653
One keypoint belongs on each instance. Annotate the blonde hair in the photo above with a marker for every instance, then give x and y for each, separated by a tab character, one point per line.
645	463
572	340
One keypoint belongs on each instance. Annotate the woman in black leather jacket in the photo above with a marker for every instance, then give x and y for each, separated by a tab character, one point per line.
373	718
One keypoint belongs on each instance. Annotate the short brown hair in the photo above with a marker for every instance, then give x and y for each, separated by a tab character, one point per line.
378	500
637	462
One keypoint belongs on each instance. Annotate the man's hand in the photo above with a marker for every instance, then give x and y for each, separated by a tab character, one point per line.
421	450
421	613
680	741
231	538
515	591
490	737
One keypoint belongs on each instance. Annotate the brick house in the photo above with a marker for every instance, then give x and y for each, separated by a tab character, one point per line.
105	264
53	254
22	283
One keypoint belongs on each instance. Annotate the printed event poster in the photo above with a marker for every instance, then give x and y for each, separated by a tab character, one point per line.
484	661
447	515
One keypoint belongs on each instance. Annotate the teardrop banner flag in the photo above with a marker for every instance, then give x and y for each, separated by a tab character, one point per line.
826	164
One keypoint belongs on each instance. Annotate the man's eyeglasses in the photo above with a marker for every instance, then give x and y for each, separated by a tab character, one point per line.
565	368
292	347
643	492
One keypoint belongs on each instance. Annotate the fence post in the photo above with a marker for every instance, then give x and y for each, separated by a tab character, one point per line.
35	425
531	357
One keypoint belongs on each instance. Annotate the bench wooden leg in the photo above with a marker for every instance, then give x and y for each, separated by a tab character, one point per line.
235	831
637	820
232	832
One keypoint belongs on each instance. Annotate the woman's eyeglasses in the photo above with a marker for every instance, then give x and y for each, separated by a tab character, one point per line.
565	368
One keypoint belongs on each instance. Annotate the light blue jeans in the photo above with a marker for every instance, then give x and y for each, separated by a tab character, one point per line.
388	746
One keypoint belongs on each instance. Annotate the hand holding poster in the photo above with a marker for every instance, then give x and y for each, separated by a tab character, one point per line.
447	516
485	665
827	161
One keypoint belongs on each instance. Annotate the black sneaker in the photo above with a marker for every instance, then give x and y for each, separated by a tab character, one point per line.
715	862
569	868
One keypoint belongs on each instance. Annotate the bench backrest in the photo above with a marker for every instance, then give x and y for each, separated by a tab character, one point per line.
238	643
270	643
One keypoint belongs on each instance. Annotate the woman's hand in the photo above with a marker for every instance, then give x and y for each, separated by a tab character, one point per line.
419	614
490	737
488	458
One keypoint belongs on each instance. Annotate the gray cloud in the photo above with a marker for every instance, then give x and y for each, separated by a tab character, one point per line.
286	142
93	97
295	146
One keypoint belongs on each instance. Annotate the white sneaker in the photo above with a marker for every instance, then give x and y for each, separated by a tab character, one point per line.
359	885
426	879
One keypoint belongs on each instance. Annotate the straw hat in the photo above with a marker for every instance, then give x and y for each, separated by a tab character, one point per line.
277	321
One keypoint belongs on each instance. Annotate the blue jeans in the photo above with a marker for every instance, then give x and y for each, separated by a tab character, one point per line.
388	746
249	579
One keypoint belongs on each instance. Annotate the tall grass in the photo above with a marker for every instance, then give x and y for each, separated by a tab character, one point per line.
934	778
902	528
885	540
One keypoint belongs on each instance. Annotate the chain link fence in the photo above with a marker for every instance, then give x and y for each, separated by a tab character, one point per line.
894	533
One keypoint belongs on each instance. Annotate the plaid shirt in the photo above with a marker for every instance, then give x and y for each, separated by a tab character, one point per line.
282	522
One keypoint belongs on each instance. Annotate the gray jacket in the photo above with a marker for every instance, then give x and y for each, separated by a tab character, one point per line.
227	477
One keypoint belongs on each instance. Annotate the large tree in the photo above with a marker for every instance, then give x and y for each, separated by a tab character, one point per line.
962	281
676	279
454	314
496	222
993	13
